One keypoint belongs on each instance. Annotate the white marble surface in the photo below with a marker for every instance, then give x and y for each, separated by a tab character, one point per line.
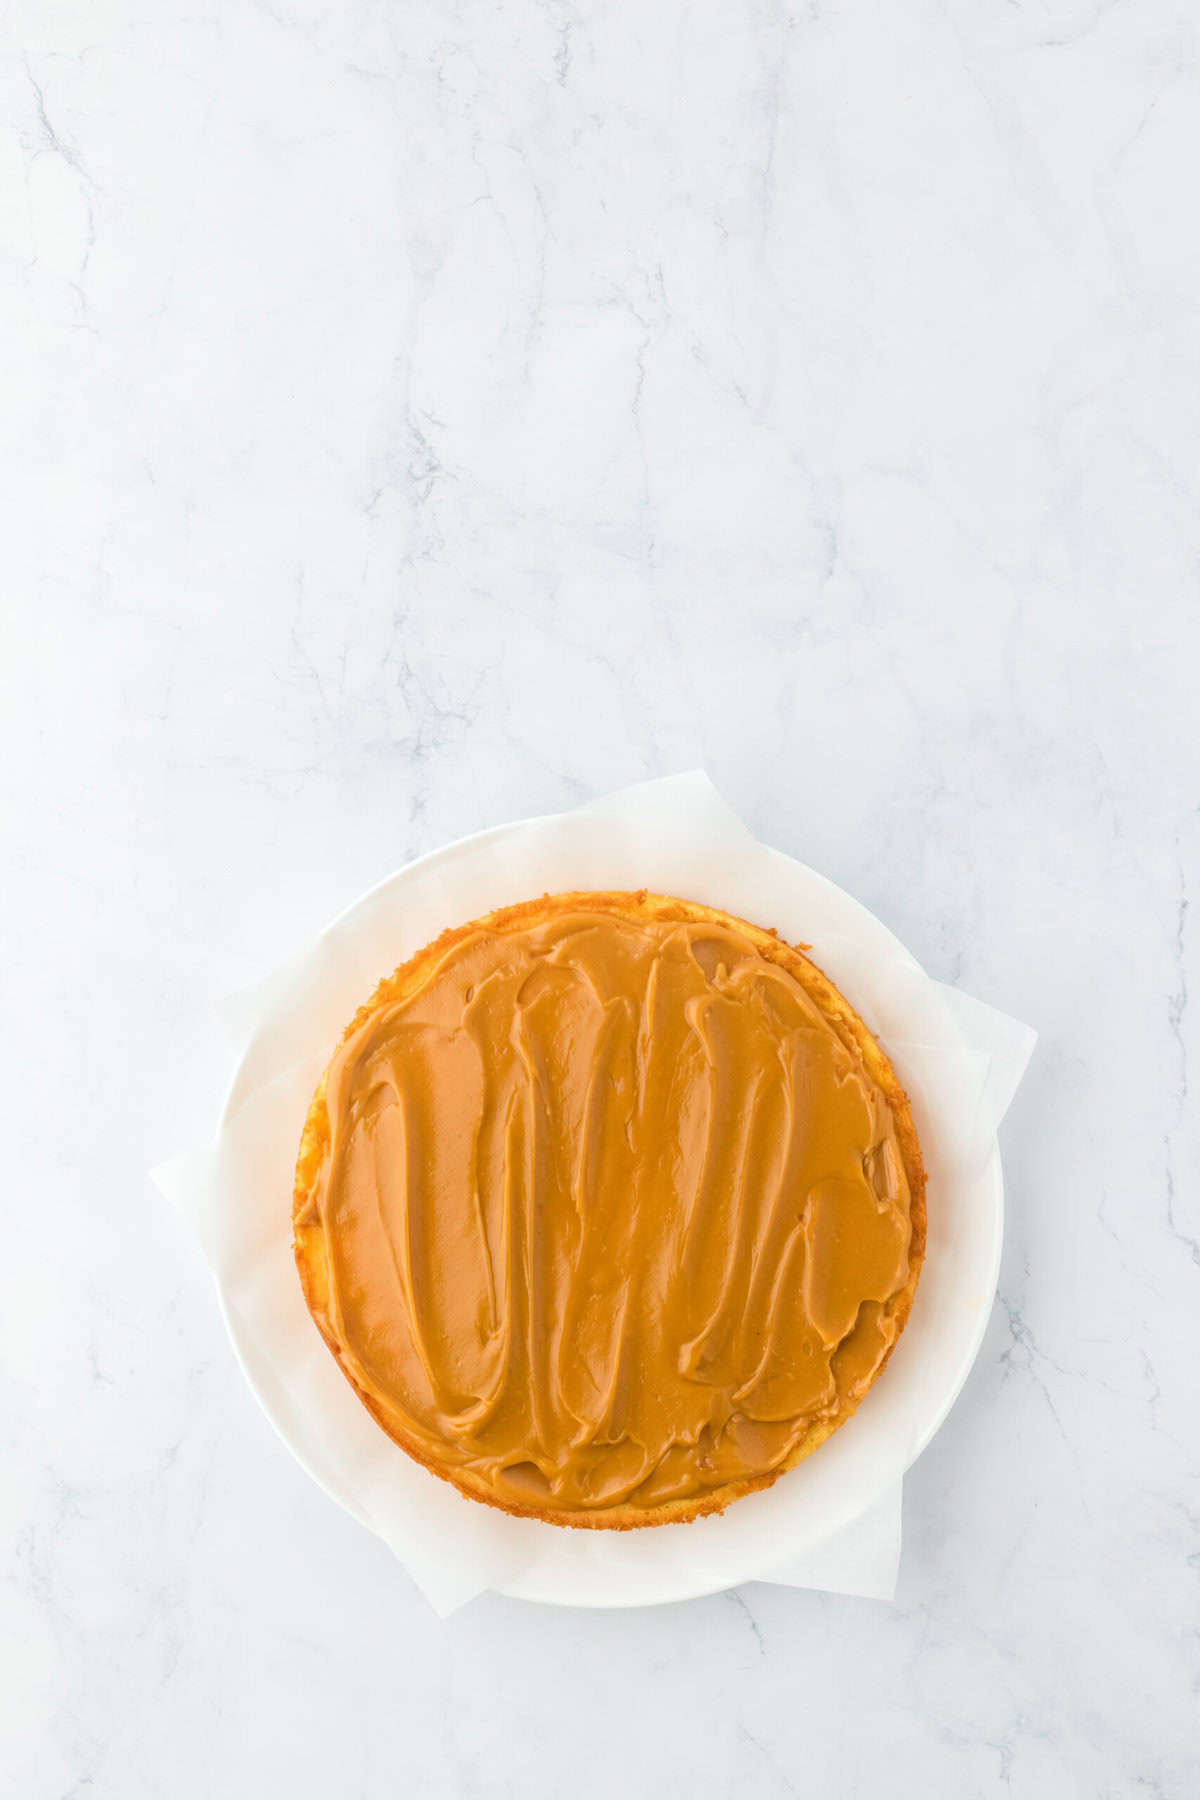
418	415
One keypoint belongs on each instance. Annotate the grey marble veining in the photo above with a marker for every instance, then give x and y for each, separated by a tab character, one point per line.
420	415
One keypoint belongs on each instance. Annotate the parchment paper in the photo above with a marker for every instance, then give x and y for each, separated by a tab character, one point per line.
832	1523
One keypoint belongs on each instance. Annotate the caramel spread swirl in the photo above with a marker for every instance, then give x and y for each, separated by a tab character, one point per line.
614	1214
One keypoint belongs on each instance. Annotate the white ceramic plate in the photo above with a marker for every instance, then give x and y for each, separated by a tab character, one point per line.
940	1068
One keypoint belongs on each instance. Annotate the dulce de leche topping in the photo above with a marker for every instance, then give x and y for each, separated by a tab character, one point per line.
614	1214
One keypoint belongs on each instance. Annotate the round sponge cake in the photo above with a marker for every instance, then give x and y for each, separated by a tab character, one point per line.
610	1208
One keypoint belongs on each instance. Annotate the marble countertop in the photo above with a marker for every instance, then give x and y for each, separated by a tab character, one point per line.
418	415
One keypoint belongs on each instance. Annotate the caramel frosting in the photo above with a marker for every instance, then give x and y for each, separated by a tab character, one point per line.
614	1213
